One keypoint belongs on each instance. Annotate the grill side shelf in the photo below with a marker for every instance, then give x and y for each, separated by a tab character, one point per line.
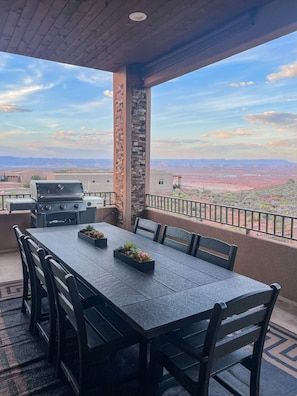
13	204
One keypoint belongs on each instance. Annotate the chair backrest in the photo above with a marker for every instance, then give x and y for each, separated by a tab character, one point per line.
43	287
28	276
178	238
215	251
235	334
20	238
68	301
40	267
147	228
238	323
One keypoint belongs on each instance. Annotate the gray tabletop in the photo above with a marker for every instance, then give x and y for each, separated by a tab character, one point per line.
180	289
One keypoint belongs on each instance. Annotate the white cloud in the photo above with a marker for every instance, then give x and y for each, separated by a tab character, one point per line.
287	71
6	134
12	109
232	133
282	143
108	93
242	84
275	119
16	95
85	138
97	78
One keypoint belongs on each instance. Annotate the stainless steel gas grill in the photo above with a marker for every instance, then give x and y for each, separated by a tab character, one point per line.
58	202
52	202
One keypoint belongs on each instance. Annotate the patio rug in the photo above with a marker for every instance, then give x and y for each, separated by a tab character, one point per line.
24	369
11	289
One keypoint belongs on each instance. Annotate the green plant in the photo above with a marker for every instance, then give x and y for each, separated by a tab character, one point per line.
92	232
131	250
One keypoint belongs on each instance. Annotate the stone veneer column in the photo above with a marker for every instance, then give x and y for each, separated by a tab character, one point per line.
131	144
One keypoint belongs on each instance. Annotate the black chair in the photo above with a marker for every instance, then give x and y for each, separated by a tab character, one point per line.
178	238
26	306
215	251
99	332
235	336
147	228
43	298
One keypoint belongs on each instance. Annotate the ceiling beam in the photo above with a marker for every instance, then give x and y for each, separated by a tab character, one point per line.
256	27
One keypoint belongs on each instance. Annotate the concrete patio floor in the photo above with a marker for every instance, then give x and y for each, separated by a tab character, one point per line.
284	314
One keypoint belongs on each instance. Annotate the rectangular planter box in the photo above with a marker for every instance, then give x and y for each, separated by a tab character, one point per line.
101	243
144	266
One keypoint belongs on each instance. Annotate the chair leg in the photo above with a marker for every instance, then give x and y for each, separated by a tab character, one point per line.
52	343
36	315
255	381
155	370
25	292
61	344
83	373
32	325
143	367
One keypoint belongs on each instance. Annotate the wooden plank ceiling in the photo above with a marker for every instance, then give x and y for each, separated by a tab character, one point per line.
99	34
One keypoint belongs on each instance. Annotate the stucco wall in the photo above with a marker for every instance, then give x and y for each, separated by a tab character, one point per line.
92	181
7	221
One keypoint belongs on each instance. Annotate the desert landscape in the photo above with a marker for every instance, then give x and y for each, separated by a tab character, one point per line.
233	178
214	175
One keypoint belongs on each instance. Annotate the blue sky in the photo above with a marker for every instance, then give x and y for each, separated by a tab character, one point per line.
241	108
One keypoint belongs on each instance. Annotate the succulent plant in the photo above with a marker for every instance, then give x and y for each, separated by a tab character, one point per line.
92	232
131	250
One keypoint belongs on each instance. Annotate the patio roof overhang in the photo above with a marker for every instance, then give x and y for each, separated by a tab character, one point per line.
177	37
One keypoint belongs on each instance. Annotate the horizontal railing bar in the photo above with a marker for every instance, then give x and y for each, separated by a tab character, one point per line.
272	224
109	197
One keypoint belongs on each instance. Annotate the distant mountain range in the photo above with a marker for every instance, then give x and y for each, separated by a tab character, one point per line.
9	162
219	163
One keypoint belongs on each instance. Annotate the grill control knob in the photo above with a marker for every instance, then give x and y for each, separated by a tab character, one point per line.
47	207
63	206
76	206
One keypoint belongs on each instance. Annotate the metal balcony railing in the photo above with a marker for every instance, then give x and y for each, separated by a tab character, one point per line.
109	197
274	225
271	224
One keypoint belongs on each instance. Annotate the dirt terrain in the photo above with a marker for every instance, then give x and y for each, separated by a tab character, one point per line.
233	179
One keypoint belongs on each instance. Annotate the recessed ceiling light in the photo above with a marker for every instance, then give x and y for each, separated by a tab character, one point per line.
138	16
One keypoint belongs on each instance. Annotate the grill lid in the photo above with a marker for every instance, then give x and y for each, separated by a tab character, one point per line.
56	190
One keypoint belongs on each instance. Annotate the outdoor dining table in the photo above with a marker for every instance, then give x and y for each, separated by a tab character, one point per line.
181	288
